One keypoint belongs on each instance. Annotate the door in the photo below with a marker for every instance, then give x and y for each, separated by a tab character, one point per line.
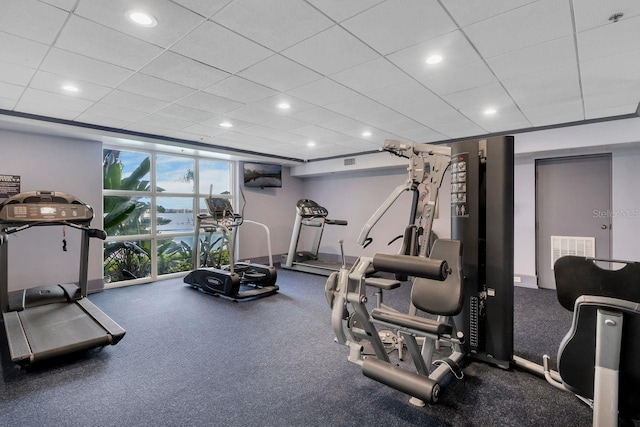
573	199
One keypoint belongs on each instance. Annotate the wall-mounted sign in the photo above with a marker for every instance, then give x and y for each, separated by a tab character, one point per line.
9	186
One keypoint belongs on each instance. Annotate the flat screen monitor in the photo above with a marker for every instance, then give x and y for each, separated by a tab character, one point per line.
262	175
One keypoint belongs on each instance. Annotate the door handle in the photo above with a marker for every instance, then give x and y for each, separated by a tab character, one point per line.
603	226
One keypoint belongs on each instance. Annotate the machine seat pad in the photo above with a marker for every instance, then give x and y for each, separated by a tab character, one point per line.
380	283
421	324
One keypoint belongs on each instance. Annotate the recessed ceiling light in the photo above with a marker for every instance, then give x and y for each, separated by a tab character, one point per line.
284	106
434	59
311	144
490	111
141	18
71	88
226	125
366	133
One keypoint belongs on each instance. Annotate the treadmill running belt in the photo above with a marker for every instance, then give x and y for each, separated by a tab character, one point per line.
55	329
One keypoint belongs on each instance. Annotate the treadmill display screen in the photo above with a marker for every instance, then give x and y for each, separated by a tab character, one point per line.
47	210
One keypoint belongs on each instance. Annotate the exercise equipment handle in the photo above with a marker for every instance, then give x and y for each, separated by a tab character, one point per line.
415	266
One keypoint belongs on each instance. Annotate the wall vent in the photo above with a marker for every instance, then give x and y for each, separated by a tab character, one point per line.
350	162
571	245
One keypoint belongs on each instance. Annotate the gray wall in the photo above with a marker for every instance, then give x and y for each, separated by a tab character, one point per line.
274	207
356	196
59	164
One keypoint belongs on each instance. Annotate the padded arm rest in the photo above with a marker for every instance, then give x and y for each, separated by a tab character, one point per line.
380	283
412	265
422	324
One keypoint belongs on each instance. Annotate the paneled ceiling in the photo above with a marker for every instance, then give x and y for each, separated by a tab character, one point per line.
352	72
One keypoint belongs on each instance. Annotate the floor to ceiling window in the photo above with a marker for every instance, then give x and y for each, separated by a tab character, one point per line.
150	205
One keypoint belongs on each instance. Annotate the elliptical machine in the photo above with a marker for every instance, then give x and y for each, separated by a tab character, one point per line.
236	280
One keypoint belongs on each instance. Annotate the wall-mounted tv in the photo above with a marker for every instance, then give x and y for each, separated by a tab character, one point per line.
262	175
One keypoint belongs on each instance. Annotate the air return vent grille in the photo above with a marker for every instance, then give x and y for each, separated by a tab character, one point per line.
571	245
350	162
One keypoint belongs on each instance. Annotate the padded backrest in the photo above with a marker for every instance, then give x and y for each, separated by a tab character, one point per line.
443	298
577	353
576	276
583	287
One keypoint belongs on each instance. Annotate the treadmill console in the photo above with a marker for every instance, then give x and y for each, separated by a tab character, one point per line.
309	209
44	207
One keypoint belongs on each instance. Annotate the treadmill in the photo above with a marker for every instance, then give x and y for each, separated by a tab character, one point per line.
310	214
49	321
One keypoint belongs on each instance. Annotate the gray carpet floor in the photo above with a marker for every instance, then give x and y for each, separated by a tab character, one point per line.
191	359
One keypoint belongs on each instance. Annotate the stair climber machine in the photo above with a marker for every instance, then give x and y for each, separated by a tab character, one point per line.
310	214
470	313
50	321
237	280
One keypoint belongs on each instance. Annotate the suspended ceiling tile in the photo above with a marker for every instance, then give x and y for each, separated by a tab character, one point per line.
454	48
241	90
205	8
316	115
340	10
67	5
184	71
454	125
620	94
45	21
115	112
215	122
397	24
83	68
279	73
555	113
611	70
102	121
357	146
318	133
535	59
275	134
272	103
331	51
322	92
200	129
528	25
595	110
45	110
47	99
18	50
348	126
558	86
509	118
95	41
164	122
15	74
399	124
465	13
208	102
356	107
145	85
133	101
188	114
458	79
372	75
400	96
54	83
478	99
594	13
221	48
610	39
276	24
257	115
174	21
147	129
424	134
11	91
